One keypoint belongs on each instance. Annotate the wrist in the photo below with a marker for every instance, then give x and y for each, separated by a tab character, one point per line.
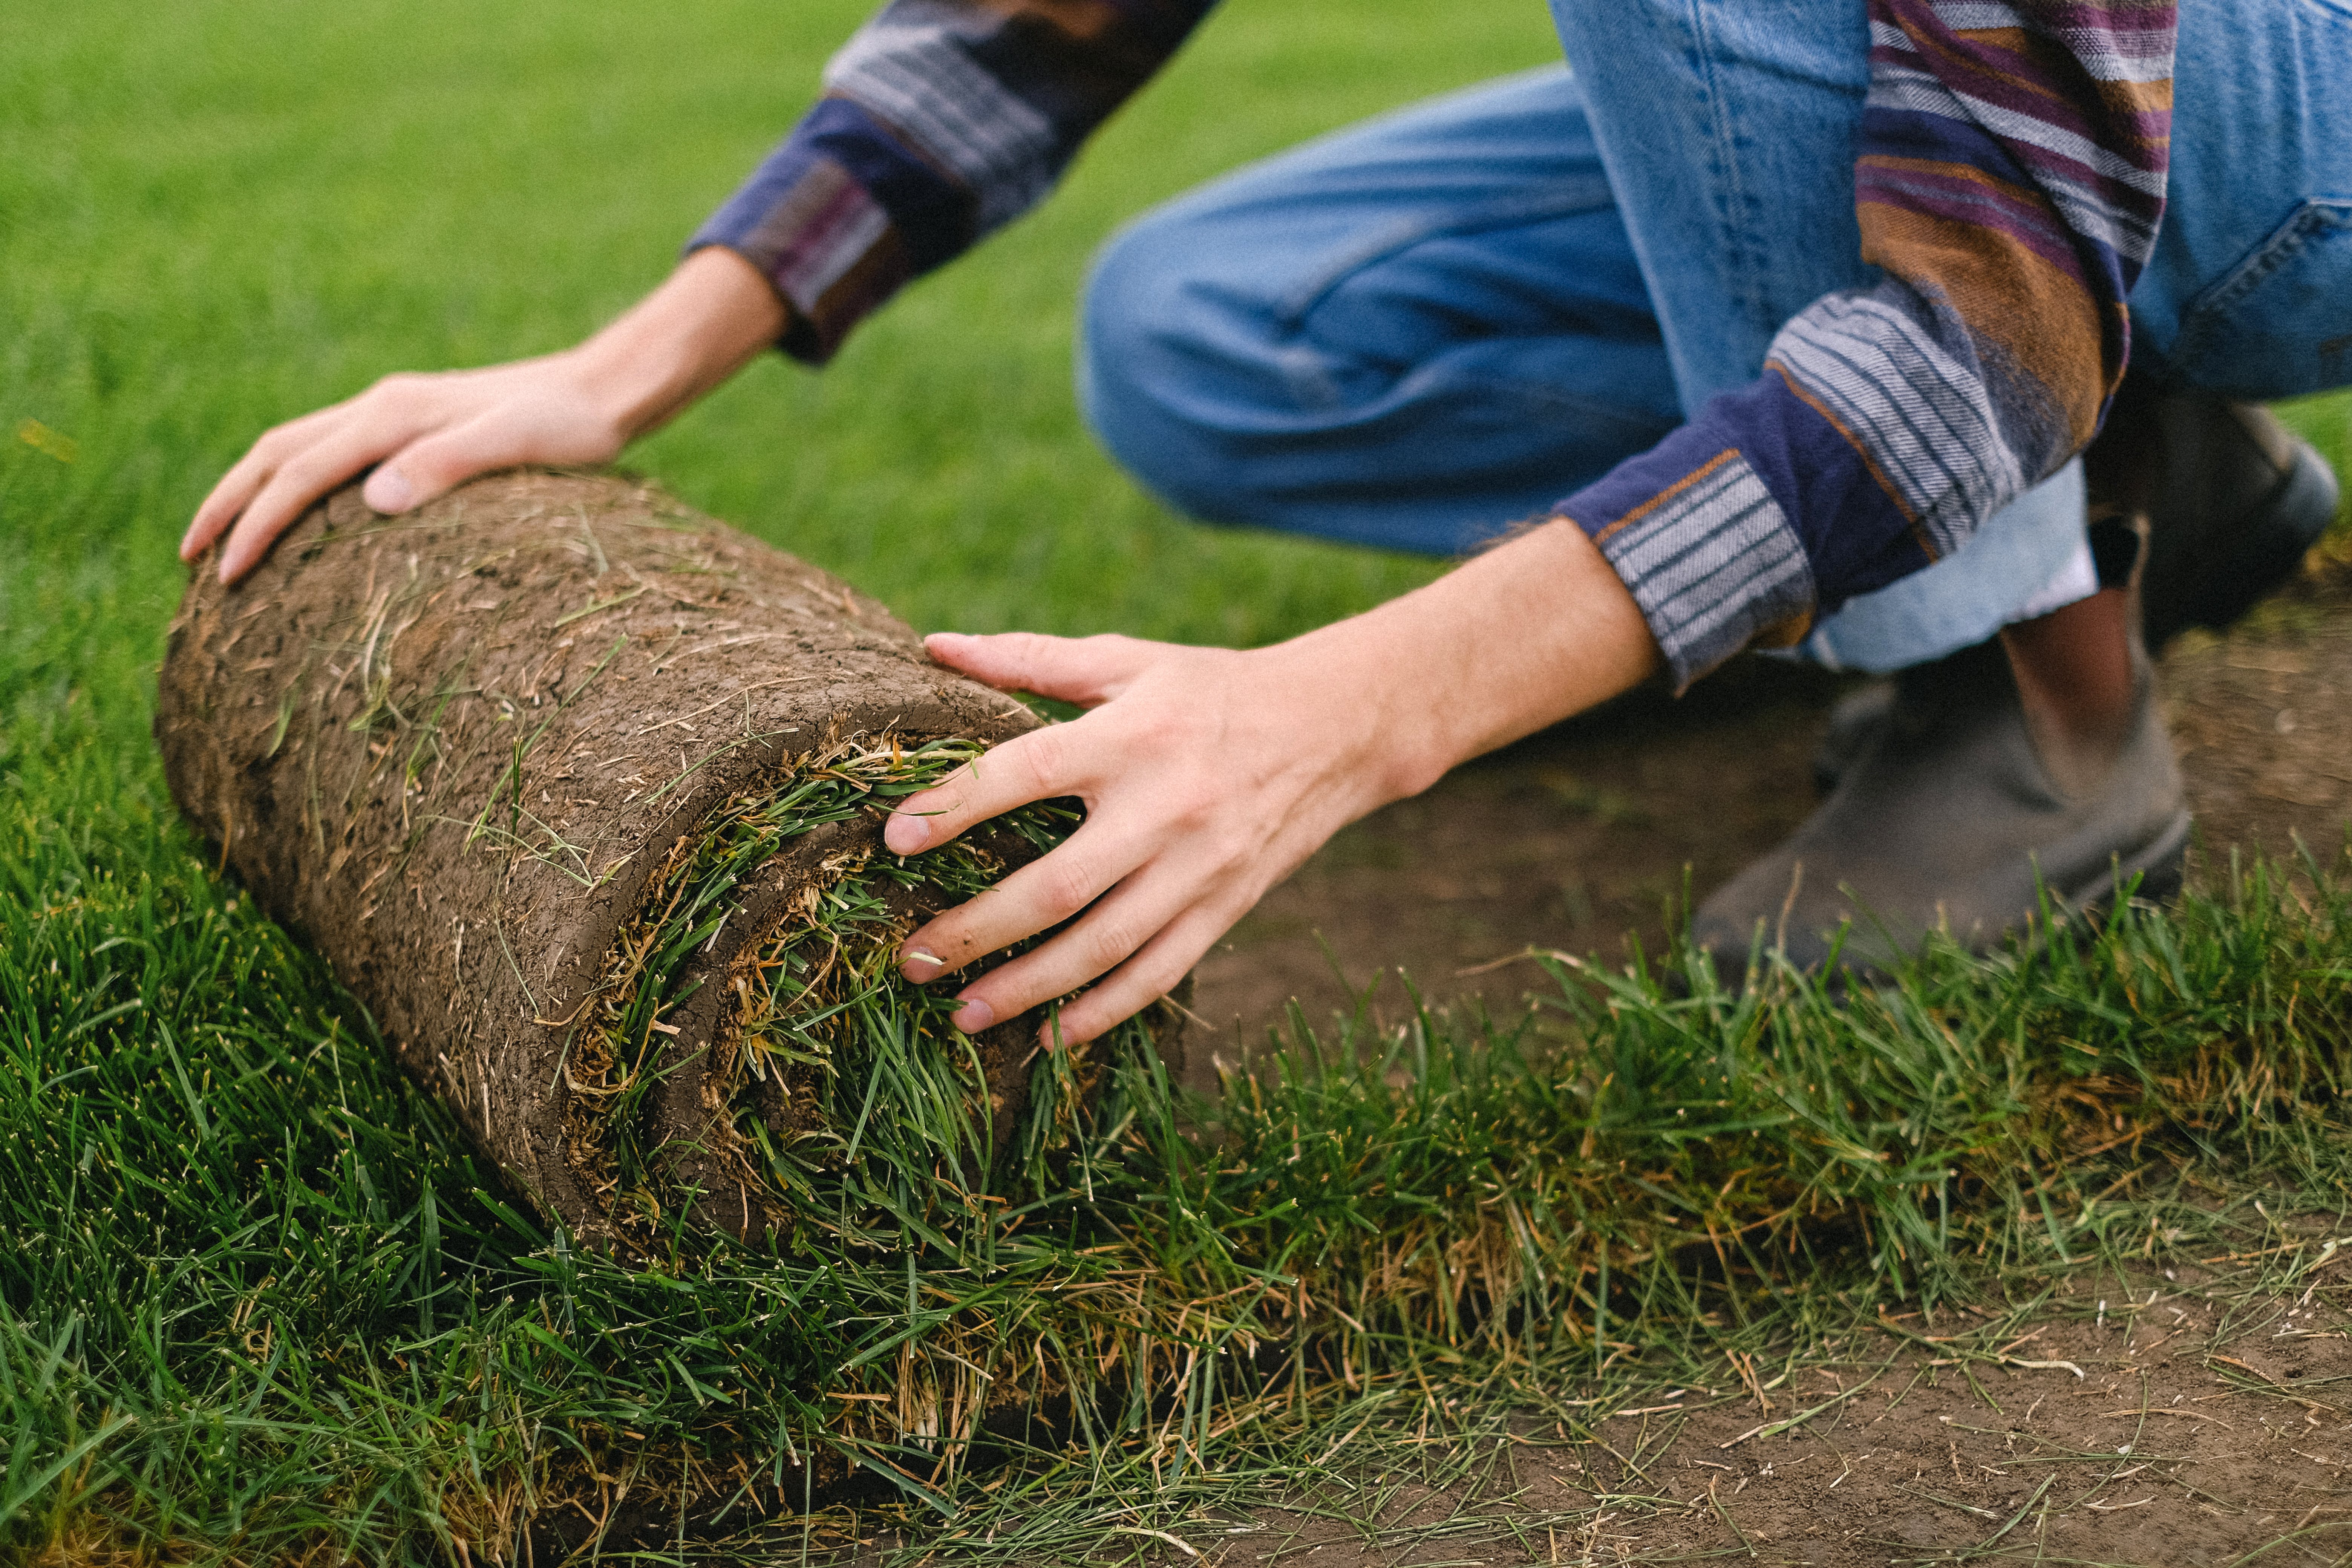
619	391
1364	687
710	316
1511	641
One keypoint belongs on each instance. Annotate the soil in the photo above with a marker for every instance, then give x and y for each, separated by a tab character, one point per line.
1585	836
2153	1423
2204	1428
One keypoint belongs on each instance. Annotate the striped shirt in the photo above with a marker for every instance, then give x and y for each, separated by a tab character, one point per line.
2009	179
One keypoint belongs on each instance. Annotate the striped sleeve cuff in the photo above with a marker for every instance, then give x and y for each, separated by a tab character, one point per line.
1710	558
839	218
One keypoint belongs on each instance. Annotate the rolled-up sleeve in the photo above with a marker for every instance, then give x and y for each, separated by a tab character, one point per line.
2010	181
941	122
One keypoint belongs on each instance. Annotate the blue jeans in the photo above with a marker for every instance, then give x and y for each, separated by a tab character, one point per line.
1418	331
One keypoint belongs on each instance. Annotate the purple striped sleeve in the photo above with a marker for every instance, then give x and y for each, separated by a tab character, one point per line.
943	121
2010	181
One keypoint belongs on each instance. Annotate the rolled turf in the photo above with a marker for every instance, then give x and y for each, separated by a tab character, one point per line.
581	794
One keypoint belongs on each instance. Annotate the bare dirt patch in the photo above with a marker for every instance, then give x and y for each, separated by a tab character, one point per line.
2143	1422
1587	834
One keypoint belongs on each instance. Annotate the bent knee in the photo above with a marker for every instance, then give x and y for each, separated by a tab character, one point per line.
1172	365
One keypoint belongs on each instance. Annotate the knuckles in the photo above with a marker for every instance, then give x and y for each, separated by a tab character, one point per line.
1107	940
1064	886
1044	755
402	389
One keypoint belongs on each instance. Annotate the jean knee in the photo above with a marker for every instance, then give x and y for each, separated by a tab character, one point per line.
1148	343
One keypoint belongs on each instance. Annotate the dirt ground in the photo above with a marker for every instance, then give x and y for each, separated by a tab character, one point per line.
2154	1423
1580	836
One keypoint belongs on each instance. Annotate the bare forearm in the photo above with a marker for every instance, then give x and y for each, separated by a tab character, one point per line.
705	321
1515	639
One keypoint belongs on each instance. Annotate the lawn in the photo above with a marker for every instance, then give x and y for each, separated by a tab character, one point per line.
254	1300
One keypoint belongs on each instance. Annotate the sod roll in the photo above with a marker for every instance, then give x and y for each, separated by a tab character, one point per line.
581	794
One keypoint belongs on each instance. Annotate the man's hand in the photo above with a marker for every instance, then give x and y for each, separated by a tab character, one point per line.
1208	776
425	433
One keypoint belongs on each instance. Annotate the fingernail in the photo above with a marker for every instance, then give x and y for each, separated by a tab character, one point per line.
388	491
973	1016
920	966
903	835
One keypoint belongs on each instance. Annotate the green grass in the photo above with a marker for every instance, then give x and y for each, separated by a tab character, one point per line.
254	1301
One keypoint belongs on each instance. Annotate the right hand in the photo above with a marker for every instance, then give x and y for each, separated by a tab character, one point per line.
427	434
424	433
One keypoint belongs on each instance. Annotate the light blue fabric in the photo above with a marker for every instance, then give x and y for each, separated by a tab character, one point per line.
1423	330
2036	540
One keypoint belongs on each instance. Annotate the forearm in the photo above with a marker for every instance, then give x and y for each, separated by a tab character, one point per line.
705	321
1514	640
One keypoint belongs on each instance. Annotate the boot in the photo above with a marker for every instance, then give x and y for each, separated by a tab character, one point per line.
1956	816
2234	500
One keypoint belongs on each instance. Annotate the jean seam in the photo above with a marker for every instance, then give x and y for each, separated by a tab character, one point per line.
1290	312
1742	278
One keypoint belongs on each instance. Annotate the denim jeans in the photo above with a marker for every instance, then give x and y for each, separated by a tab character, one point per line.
1419	330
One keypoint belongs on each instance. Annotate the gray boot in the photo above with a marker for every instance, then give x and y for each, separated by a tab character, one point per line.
2233	499
1950	819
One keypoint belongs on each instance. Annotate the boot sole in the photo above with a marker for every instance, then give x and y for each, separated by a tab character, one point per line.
2160	865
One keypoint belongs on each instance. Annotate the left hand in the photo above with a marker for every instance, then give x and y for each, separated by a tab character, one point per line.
1207	774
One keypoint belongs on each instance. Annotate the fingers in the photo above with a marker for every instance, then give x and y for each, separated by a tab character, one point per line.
1136	984
300	479
1174	849
1084	670
424	435
244	481
440	463
1035	766
1076	957
1040	895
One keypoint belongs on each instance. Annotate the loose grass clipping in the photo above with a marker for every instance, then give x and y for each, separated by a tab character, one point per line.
581	794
